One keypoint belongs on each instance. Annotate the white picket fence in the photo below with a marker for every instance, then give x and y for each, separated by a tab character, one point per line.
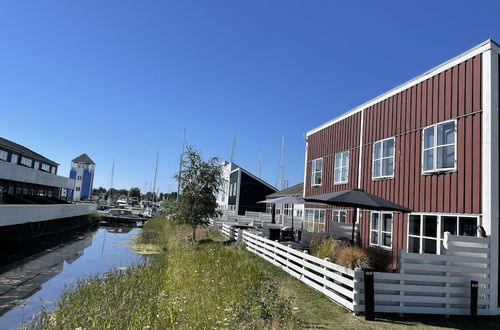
425	283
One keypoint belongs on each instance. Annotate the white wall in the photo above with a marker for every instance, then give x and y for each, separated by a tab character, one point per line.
19	214
20	173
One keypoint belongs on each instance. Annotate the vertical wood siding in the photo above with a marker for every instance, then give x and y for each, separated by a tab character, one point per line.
452	94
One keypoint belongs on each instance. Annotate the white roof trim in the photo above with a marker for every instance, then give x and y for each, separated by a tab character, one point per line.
482	47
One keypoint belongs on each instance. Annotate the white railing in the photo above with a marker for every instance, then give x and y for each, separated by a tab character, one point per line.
230	232
334	281
425	284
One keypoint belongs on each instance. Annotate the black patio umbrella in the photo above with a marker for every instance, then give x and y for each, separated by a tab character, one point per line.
357	198
285	200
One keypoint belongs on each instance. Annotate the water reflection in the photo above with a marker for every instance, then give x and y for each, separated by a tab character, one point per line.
40	279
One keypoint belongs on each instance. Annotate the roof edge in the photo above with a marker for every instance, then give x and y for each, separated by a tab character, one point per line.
478	49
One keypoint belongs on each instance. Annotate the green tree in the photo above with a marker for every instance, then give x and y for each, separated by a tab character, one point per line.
200	183
134	192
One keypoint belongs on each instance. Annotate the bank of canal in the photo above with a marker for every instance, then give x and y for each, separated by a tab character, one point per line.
39	280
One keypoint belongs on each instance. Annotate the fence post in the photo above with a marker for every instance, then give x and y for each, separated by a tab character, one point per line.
369	295
401	282
304	260
274	252
325	288
287	261
473	298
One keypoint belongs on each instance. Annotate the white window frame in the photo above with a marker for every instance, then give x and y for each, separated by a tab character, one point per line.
316	222
26	161
380	231
435	148
45	167
314	173
338	212
37	165
381	159
440	235
14	158
4	155
342	155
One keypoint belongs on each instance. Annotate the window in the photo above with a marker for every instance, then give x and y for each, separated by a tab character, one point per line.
79	178
269	208
316	170
315	220
26	161
13	159
339	215
383	159
3	155
426	231
381	229
45	167
77	188
287	209
53	170
37	165
232	189
341	168
439	147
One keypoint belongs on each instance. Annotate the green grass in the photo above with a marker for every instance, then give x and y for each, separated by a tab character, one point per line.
210	285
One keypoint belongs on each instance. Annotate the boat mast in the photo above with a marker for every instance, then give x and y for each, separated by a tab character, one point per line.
156	172
234	147
180	164
259	164
282	176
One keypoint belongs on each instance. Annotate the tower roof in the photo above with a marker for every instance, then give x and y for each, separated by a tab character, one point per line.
83	158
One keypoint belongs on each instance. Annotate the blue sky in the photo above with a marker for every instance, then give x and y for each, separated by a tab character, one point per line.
122	79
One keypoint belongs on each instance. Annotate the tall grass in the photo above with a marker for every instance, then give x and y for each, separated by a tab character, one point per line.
189	286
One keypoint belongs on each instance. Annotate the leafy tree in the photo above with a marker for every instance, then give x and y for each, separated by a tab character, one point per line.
134	192
200	181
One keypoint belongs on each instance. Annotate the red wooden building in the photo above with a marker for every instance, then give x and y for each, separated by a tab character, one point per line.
430	144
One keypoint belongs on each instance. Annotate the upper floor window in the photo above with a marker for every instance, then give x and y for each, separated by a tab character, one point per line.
3	155
341	168
426	231
316	171
79	177
26	161
381	229
53	170
46	167
439	147
339	215
383	159
13	158
37	165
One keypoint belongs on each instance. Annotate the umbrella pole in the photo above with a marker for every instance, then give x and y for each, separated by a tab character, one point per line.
273	214
292	225
354	216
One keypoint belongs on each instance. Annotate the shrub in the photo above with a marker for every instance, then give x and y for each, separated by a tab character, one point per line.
380	259
327	248
353	257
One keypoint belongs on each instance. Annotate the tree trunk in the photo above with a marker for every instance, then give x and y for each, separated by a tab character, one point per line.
194	233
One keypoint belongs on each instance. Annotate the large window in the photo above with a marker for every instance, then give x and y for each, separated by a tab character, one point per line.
341	168
381	229
46	167
316	171
383	159
439	147
13	158
26	161
3	155
315	220
339	215
426	231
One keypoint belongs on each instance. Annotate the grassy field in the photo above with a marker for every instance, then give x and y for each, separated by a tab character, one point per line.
209	285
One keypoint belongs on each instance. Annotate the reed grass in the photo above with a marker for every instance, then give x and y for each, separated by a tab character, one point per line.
202	285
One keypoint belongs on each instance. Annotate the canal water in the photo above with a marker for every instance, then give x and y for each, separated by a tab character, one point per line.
40	279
